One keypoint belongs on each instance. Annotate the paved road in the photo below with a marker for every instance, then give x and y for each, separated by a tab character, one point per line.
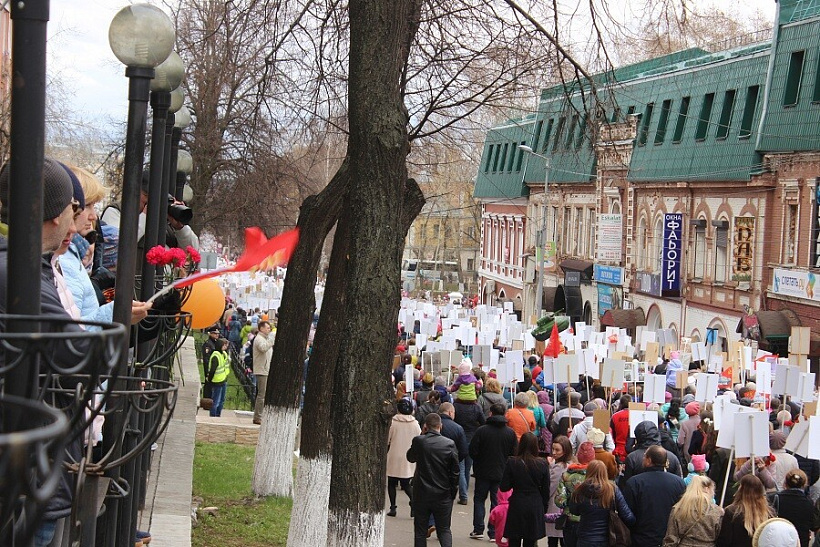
399	529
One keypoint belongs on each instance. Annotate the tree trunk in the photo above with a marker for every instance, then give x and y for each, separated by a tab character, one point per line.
308	519
380	34
273	466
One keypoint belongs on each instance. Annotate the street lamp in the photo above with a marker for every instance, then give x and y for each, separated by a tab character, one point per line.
542	234
141	37
168	77
183	120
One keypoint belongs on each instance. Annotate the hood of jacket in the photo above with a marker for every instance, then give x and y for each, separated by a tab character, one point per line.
404	418
646	435
543	397
504	497
497	421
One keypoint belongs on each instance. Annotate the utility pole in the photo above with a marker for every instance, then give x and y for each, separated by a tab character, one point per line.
541	236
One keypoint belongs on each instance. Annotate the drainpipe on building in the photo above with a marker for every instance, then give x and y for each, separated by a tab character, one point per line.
685	253
769	75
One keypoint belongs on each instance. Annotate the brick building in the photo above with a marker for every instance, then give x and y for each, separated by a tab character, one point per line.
680	192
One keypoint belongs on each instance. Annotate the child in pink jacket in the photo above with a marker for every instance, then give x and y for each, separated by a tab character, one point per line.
498	517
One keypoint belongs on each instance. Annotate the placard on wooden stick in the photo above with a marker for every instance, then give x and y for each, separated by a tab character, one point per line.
651	354
654	388
600	419
612	375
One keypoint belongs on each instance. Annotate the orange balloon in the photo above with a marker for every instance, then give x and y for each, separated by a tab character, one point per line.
205	303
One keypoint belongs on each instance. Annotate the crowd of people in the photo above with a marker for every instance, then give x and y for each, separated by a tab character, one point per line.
535	453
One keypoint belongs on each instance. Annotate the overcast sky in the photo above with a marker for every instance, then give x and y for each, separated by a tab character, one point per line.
81	59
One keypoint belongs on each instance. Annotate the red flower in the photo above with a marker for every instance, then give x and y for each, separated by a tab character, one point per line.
177	257
196	258
158	256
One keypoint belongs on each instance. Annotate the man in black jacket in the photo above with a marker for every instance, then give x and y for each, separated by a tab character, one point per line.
452	430
490	447
435	483
651	495
647	435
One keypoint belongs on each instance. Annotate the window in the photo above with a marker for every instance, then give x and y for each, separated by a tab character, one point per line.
660	134
579	238
558	131
705	116
436	231
647	119
489	158
815	226
495	158
511	159
470	264
582	128
657	254
537	136
726	114
504	156
616	115
790	249
566	233
520	157
546	136
793	79
571	132
749	112
630	110
699	254
721	250
643	244
681	122
816	97
591	236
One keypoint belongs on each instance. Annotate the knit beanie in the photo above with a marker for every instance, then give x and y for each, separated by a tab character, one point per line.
688	398
585	453
692	409
465	367
596	437
667	396
57	189
777	440
77	188
698	463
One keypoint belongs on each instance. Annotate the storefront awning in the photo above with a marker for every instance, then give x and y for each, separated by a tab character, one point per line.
773	325
575	265
624	319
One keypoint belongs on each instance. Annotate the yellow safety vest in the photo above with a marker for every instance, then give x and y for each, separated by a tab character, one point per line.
222	369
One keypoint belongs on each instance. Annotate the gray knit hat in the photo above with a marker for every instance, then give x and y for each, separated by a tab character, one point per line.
57	189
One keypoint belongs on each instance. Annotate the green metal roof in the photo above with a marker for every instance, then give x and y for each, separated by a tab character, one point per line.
718	138
798	10
500	174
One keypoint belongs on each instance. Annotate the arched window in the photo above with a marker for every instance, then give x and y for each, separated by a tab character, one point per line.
657	247
643	244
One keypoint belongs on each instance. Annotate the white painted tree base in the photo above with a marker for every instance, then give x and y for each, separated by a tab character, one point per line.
308	518
273	466
359	529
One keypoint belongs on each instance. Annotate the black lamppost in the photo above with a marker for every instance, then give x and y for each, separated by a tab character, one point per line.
183	120
185	166
168	77
177	98
141	37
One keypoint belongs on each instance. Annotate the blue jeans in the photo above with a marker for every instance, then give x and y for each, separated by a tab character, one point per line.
218	395
464	468
482	488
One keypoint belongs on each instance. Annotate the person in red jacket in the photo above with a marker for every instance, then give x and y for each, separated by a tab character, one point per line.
619	424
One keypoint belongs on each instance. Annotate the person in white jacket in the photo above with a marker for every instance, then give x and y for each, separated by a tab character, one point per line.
581	430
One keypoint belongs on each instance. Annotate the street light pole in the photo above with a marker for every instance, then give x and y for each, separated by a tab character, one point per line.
541	236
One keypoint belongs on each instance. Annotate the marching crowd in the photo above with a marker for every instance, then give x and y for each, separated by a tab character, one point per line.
548	472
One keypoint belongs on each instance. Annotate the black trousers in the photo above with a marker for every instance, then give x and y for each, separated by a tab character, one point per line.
392	482
442	510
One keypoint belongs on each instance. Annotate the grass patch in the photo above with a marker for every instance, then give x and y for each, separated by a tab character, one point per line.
222	477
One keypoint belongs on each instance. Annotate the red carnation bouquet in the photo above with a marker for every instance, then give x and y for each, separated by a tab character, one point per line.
182	262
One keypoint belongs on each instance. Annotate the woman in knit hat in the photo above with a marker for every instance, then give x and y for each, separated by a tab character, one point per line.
698	467
687	428
576	474
597	438
784	462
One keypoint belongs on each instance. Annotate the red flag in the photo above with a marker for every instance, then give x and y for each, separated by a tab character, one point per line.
554	346
260	253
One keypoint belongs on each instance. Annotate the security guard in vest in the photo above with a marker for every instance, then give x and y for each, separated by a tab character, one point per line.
217	375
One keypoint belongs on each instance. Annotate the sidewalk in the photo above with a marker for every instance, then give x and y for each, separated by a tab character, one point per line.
167	513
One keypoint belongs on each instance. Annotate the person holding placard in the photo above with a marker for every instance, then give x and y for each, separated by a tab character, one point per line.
762	469
580	431
784	462
746	513
619	426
